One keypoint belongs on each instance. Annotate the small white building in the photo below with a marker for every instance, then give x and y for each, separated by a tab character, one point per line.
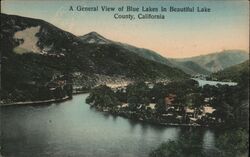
208	110
152	106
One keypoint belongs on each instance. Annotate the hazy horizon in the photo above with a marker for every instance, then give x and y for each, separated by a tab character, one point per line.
180	35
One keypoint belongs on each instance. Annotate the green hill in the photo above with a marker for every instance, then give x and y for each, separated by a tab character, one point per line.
234	73
216	61
35	52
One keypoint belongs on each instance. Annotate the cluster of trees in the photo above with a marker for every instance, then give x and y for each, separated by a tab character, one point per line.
187	145
138	96
102	96
232	113
236	73
232	143
25	77
231	104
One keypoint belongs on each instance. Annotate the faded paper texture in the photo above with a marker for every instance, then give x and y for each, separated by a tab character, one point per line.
124	78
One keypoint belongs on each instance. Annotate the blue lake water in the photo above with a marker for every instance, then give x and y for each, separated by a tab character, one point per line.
72	129
213	83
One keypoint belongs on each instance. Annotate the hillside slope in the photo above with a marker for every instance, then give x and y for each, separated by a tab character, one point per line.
234	73
217	61
35	52
95	38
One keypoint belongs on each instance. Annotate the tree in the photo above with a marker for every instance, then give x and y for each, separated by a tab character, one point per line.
230	104
121	95
209	91
102	96
137	95
133	102
186	146
160	106
197	100
158	91
234	143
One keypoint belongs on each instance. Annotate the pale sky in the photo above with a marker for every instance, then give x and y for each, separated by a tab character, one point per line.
178	35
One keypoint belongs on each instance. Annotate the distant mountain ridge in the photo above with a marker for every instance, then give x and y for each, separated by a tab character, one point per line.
205	64
189	67
234	73
95	38
216	61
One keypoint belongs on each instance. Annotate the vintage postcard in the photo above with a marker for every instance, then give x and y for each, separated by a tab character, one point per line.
134	78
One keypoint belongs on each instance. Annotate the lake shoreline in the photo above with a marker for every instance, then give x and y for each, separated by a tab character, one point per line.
80	92
130	116
36	102
40	102
74	124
